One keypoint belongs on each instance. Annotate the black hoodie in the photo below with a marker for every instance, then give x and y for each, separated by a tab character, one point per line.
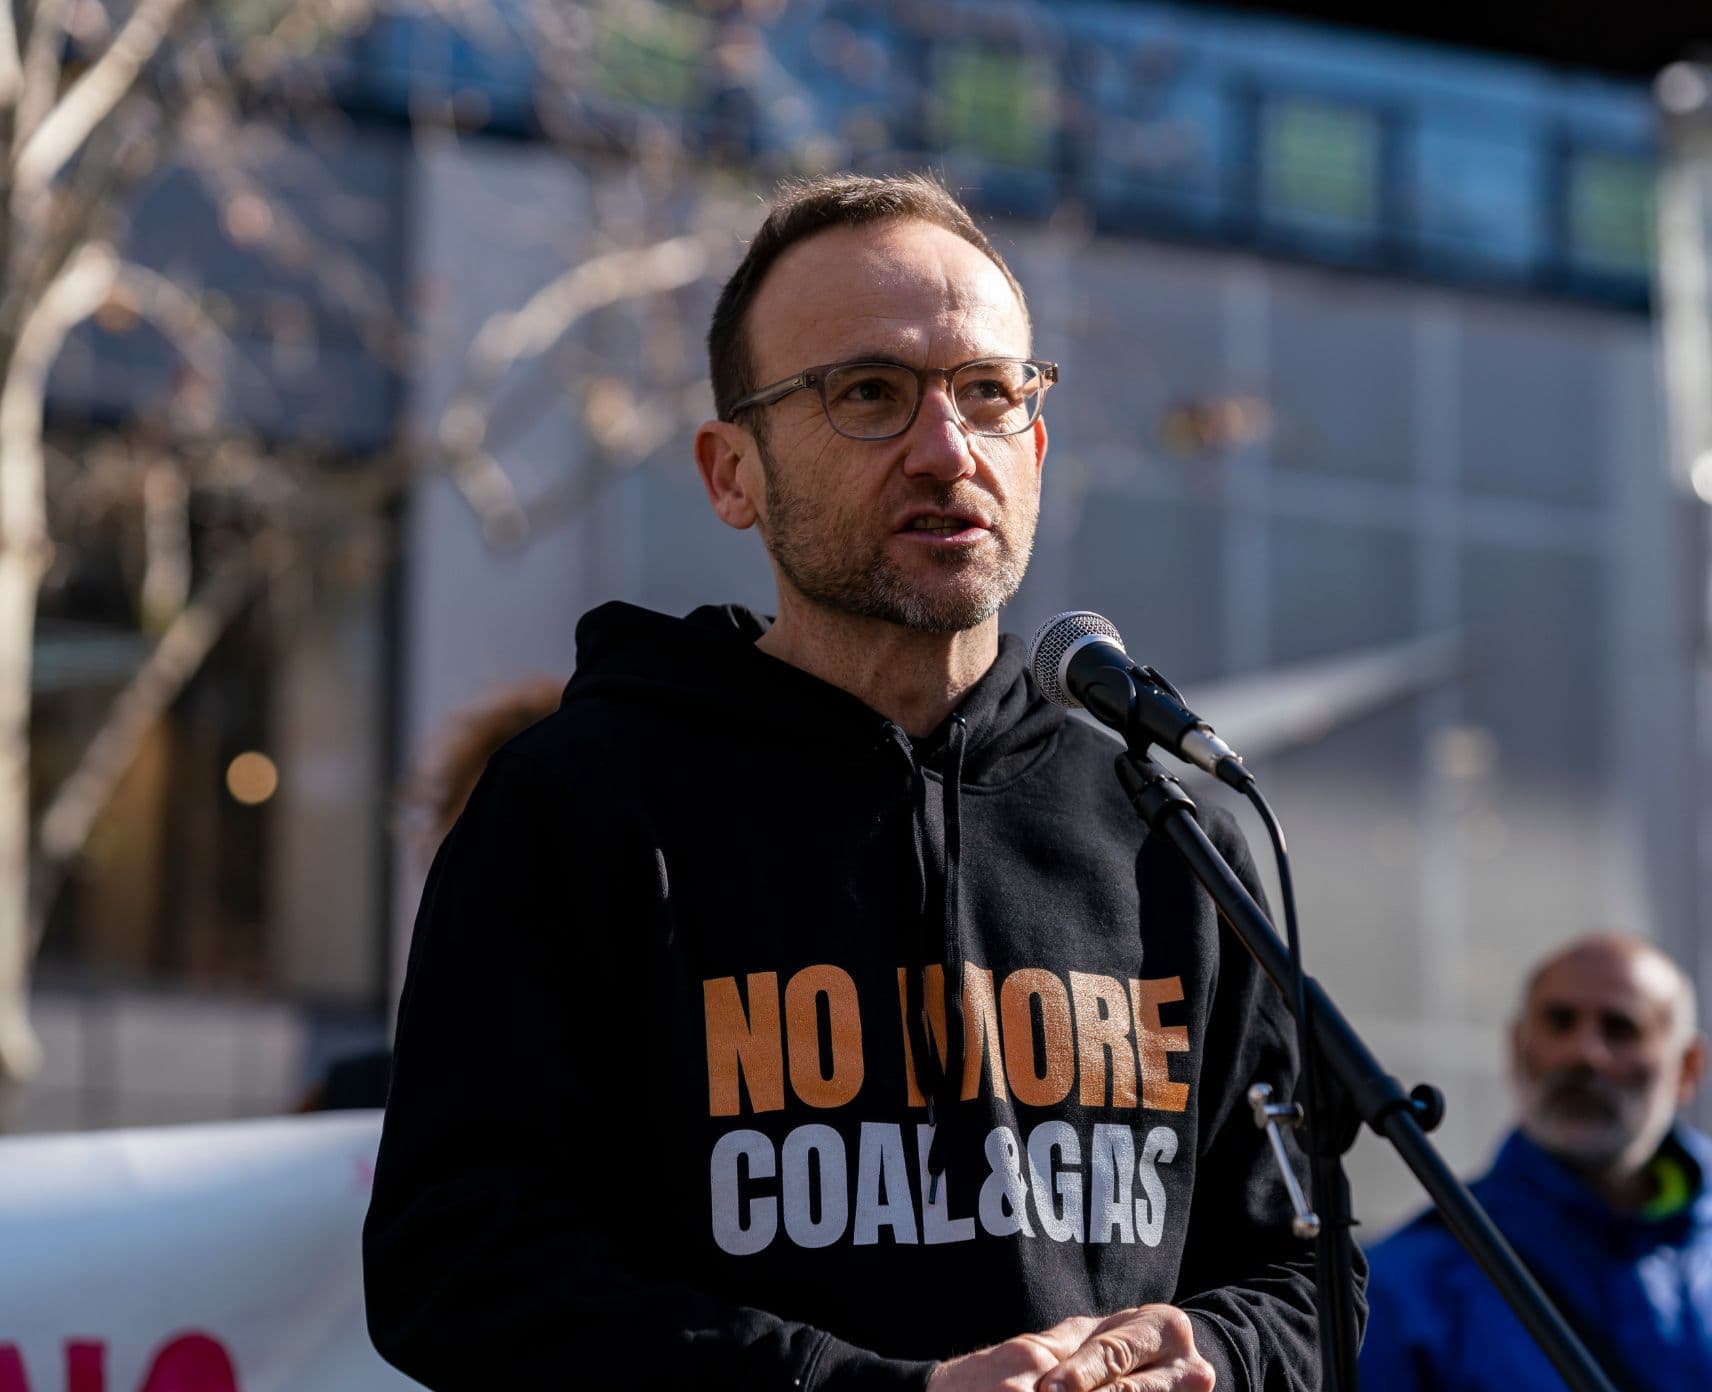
660	1108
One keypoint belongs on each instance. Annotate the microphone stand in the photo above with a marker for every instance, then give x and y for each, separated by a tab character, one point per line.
1352	1088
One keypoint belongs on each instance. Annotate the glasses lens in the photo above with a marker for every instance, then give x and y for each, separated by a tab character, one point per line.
998	397
870	400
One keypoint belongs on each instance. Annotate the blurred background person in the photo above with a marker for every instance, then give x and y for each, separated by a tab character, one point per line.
454	762
1602	1188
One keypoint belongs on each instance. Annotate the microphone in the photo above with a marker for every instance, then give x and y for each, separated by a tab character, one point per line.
1078	659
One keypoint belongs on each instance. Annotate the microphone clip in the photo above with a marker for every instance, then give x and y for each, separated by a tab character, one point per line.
1152	791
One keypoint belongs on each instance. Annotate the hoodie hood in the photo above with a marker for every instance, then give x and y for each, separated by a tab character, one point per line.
707	668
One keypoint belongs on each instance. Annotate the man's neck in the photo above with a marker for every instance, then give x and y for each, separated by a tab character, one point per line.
915	679
1627	1184
1624	1190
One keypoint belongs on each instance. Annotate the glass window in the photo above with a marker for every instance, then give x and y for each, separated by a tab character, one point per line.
650	54
490	78
1610	208
994	104
1320	165
1157	125
1476	189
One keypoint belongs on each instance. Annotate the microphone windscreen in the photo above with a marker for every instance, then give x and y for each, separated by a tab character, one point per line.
1049	653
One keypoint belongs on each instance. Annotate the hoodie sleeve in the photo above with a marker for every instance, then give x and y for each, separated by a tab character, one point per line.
1247	1283
485	1257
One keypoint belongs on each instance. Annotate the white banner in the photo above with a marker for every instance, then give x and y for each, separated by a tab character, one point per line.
223	1258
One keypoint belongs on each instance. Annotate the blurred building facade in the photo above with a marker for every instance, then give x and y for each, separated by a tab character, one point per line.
1357	349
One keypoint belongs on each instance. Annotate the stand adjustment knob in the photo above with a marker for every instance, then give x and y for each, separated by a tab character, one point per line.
1429	1105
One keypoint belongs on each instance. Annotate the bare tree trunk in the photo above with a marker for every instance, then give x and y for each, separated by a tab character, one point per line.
24	550
65	157
20	573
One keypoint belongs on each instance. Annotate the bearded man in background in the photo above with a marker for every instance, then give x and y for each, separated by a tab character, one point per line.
1602	1188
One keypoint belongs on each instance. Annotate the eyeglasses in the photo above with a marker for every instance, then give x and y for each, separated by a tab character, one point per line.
878	400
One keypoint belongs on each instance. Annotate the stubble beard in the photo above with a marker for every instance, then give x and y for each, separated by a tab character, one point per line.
802	536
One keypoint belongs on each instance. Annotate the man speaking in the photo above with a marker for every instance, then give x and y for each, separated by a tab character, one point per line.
802	1006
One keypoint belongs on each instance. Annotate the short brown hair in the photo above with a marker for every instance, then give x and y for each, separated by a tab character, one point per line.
802	208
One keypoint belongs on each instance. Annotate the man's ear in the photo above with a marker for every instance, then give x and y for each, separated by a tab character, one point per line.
1039	442
721	450
1693	1069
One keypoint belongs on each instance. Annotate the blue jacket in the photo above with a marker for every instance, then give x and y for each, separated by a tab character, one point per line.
1435	1321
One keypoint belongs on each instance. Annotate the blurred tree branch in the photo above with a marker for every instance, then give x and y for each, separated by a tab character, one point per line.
176	658
91	95
96	98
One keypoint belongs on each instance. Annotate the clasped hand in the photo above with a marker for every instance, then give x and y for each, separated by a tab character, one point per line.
1147	1349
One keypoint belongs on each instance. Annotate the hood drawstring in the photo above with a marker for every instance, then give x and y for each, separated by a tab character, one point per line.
927	1071
951	1079
938	1082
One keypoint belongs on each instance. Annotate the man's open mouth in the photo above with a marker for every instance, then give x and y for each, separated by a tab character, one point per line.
943	523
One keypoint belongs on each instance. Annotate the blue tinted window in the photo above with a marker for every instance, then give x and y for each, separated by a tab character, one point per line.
1155	124
1330	143
1476	189
401	60
848	93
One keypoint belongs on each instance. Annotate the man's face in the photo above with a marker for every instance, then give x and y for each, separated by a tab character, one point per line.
1601	1060
931	530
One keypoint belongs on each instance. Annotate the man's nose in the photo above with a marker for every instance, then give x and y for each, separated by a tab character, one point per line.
1586	1043
938	443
